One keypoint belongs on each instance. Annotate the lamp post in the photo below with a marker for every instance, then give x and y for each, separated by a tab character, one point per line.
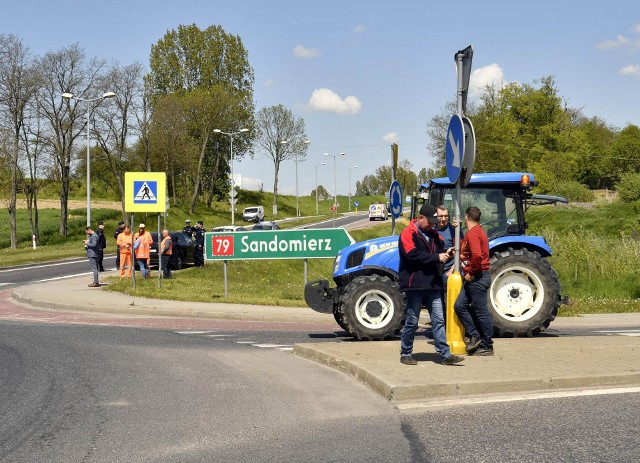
306	142
354	167
318	165
335	186
232	199
70	96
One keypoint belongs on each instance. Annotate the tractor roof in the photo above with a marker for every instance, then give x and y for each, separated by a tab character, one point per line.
491	178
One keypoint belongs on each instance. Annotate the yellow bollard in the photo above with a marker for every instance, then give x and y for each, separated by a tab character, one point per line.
455	331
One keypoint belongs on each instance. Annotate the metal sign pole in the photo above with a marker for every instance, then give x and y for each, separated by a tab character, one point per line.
159	256
226	285
133	255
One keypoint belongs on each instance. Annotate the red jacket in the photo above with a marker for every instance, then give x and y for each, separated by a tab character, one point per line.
476	245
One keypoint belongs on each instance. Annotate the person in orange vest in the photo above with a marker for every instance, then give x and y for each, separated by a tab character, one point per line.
166	249
142	248
124	248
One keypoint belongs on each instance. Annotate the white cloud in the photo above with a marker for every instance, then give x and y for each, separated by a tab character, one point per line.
491	75
302	52
636	28
325	100
391	137
631	70
359	29
269	83
619	41
253	184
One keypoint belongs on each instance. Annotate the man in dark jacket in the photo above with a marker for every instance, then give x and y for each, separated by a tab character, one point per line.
422	258
102	244
198	251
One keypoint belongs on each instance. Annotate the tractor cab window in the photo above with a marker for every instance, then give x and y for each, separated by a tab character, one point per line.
499	208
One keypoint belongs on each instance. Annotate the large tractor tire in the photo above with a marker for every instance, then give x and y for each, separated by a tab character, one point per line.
372	308
524	295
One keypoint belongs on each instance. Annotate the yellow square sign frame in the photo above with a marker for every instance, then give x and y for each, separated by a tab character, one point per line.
145	192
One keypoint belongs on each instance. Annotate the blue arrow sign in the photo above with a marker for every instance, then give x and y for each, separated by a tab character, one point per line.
455	148
395	199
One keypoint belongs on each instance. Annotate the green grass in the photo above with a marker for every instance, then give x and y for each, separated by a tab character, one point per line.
596	253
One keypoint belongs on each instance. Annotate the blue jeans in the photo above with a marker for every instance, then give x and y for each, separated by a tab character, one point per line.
432	300
144	270
472	310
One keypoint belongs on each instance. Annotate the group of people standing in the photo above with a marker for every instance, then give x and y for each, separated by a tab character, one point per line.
197	234
129	247
426	260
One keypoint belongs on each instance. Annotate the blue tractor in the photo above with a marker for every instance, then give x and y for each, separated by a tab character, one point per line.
525	292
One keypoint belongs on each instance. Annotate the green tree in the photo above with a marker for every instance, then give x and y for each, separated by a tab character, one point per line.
625	152
207	64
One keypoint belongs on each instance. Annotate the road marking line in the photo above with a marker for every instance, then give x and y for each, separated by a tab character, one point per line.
217	335
618	331
269	346
518	397
193	332
245	342
286	348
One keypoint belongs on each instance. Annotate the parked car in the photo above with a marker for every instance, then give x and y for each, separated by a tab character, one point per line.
182	253
266	226
228	228
253	214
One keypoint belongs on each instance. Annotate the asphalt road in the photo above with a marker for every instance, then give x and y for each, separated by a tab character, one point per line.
71	393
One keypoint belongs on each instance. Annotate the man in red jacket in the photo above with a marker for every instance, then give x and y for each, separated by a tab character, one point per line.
471	305
422	258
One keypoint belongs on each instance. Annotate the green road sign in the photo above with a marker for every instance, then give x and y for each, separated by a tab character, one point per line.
278	244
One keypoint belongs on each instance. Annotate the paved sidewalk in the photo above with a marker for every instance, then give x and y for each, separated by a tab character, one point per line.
544	363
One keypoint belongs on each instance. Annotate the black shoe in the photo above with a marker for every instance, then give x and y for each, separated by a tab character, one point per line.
408	360
484	352
452	359
473	345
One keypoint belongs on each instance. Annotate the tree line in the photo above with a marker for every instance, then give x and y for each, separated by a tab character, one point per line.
180	116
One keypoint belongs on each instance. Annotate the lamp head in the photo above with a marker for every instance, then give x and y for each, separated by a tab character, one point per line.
108	95
67	96
217	130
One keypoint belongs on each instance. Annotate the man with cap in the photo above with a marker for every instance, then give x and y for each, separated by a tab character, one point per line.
198	252
102	244
118	230
142	247
422	258
188	229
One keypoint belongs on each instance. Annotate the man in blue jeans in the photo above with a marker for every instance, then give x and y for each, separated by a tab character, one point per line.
471	305
422	257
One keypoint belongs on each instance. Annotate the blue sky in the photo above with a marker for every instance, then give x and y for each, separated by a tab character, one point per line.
365	74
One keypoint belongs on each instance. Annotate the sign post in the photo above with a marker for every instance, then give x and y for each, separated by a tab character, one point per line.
146	192
460	148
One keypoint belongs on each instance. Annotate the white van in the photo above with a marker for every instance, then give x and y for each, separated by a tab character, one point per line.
253	214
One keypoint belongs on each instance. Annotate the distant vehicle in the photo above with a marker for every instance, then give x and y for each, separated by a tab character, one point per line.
182	252
266	226
378	211
253	214
228	228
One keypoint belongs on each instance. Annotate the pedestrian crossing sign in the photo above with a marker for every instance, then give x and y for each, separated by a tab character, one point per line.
145	191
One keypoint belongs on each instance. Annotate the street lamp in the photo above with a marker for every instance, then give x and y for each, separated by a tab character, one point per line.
354	167
306	142
335	186
233	182
318	165
70	96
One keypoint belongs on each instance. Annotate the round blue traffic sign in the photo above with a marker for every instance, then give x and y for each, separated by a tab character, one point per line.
395	199
455	148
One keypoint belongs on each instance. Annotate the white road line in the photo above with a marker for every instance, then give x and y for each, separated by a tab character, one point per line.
218	335
193	332
620	332
245	342
286	348
14	269
517	397
270	346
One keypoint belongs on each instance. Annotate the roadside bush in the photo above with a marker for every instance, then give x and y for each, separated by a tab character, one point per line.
573	191
629	187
